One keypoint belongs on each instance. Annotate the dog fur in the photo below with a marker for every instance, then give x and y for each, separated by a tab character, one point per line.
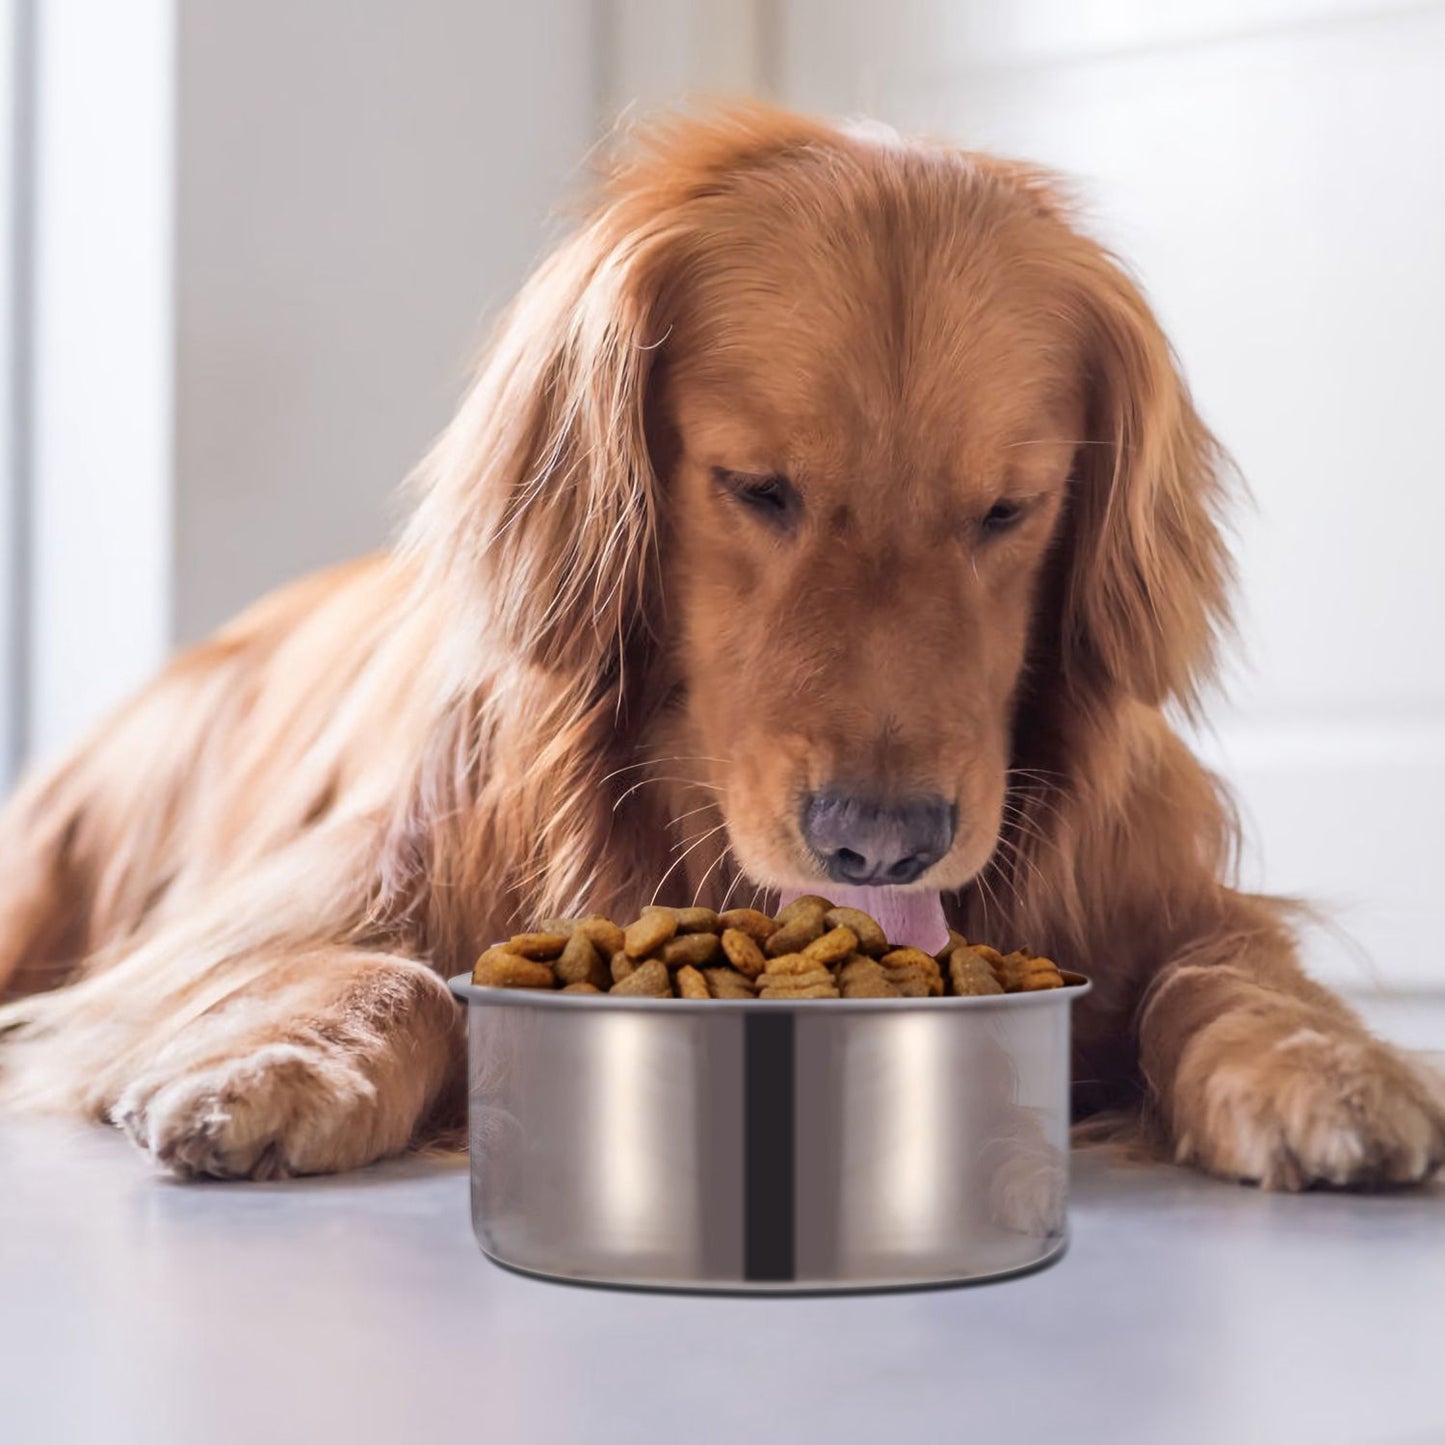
595	661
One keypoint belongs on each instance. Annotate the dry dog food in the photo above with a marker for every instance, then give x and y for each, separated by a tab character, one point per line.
811	950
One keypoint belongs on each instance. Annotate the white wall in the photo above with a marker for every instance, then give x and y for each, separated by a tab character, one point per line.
655	53
358	182
1276	173
103	313
266	237
15	92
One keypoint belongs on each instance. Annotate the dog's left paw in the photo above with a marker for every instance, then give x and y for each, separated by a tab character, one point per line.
283	1109
1306	1105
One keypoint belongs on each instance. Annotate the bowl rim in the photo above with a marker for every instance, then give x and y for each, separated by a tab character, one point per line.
475	994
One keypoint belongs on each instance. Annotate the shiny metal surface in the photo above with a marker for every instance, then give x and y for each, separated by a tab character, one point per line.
751	1145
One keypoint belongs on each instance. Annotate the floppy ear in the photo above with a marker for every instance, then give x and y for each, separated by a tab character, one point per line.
539	503
538	507
1144	595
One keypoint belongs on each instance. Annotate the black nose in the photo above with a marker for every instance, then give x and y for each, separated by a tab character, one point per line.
863	841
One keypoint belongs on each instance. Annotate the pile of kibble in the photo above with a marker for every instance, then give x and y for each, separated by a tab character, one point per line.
810	950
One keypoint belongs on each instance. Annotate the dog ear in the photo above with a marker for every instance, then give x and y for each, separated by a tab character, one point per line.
1146	567
538	507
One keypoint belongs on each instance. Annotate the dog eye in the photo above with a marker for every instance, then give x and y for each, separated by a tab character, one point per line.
1000	517
773	497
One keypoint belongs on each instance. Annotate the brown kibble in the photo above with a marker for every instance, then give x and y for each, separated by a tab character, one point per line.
864	977
743	952
868	988
581	963
604	933
910	983
914	982
907	967
1022	971
909	958
691	948
792	963
963	961
1022	961
648	980
815	977
969	976
649	932
955	940
871	938
834	946
498	951
537	945
695	920
990	956
1032	982
501	968
811	951
807	903
797	932
758	926
727	983
825	989
690	983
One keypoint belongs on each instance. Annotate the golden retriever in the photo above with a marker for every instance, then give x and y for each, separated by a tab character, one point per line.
828	506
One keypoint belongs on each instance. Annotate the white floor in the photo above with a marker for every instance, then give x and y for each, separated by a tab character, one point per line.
357	1309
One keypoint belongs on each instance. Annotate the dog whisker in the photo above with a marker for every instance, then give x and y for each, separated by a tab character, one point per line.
1017	821
992	897
657	762
702	882
691	812
1017	856
690	782
738	877
1060	442
693	838
696	843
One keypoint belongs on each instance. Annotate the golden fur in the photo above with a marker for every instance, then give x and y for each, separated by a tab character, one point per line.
591	665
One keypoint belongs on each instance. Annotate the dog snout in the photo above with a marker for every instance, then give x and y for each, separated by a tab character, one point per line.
865	841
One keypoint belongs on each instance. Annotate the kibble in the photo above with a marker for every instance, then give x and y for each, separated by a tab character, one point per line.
810	950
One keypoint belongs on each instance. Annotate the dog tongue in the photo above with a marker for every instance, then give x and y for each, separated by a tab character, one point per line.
915	919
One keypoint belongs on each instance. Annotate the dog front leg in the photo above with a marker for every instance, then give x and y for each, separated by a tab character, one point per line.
340	1060
1260	1074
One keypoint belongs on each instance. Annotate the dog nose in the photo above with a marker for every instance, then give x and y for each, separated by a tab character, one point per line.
864	841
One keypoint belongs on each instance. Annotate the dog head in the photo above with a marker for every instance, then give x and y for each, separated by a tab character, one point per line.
823	448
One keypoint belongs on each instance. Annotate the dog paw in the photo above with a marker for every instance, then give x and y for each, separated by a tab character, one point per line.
284	1109
1028	1183
1289	1108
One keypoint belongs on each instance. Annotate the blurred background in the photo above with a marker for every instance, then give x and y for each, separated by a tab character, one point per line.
248	247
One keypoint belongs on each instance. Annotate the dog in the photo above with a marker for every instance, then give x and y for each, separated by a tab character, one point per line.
827	506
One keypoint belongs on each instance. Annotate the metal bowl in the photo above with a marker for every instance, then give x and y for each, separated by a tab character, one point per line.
763	1145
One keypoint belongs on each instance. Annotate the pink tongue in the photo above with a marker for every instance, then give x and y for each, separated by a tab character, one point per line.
907	918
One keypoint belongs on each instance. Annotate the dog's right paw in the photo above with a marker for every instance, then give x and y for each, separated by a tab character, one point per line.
283	1109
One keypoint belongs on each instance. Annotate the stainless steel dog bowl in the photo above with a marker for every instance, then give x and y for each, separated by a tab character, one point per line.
765	1145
